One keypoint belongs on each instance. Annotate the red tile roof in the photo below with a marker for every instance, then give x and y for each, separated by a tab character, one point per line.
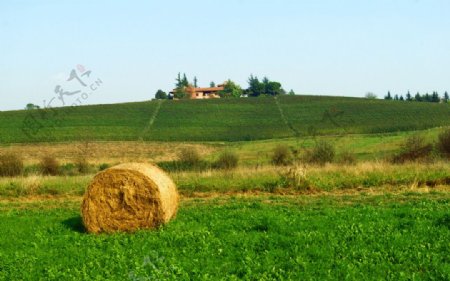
210	89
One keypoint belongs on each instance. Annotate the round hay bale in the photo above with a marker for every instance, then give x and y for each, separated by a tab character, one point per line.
129	197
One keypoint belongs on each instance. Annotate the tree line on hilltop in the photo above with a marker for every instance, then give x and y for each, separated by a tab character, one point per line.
434	97
256	88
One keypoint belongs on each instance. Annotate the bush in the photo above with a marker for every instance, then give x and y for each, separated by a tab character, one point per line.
82	166
11	165
103	167
33	169
371	96
414	148
282	155
176	166
49	166
323	152
189	156
227	160
295	177
161	95
68	169
347	158
443	144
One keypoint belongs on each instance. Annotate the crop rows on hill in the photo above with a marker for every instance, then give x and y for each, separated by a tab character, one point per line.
99	122
222	120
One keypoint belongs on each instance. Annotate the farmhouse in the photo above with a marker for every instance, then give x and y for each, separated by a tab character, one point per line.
202	93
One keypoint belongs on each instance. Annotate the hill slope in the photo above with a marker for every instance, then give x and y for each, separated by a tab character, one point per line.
221	120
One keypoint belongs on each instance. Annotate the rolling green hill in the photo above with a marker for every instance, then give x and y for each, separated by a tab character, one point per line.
221	120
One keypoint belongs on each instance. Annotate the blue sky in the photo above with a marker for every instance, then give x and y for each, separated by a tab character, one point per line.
137	47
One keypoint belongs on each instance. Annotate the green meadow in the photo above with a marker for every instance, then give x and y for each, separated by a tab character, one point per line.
352	237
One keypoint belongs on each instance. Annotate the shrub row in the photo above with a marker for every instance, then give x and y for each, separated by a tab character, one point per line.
12	165
415	148
321	153
190	159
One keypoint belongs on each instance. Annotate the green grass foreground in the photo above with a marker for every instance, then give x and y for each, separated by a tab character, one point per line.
221	120
360	237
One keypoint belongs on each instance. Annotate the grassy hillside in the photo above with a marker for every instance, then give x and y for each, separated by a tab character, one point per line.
221	120
100	122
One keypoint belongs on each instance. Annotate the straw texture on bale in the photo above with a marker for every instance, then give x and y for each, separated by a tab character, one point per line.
129	197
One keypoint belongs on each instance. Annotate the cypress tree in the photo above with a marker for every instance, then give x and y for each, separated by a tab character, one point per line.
418	97
408	96
388	96
435	97
195	82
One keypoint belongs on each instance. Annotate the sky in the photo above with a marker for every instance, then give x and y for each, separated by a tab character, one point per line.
338	48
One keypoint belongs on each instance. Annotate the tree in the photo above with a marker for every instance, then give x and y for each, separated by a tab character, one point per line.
231	90
388	96
371	96
418	97
181	93
401	98
408	96
195	81
178	84
291	93
255	88
427	97
435	97
212	84
266	87
31	106
180	87
446	97
160	95
265	83
184	81
396	97
181	82
274	89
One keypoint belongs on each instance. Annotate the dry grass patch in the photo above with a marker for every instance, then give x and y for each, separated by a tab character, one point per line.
105	152
11	164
